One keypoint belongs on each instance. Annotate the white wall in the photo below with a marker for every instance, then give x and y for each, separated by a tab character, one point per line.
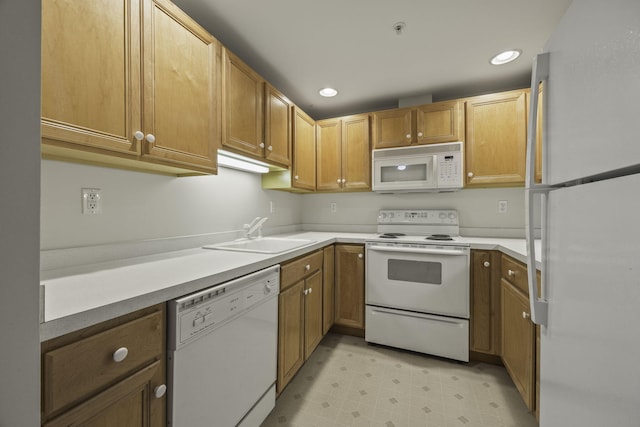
478	210
19	198
139	206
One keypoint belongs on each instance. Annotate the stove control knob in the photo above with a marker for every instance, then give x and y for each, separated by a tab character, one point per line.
442	215
452	215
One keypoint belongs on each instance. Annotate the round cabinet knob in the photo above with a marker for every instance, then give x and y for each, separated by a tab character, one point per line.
511	273
487	264
262	145
470	174
150	138
525	315
338	181
310	289
306	291
344	180
307	267
160	391
270	148
420	134
296	177
120	354
408	136
360	256
138	135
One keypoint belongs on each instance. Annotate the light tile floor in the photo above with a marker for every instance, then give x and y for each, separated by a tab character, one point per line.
347	382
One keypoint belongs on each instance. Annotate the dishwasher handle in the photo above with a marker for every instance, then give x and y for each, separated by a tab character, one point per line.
401	249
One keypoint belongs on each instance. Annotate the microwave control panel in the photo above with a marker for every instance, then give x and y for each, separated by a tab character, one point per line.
449	169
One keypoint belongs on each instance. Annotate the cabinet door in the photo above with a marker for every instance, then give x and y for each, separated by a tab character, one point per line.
349	286
438	122
91	74
304	151
277	126
356	153
312	313
518	335
242	107
328	291
392	128
485	302
180	93
290	333
329	152
496	128
129	403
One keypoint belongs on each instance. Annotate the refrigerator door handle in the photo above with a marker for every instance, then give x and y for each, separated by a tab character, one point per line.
539	73
538	306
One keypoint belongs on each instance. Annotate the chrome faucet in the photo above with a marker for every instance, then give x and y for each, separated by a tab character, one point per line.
251	228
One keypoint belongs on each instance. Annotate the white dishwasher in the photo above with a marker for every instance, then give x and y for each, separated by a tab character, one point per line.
222	353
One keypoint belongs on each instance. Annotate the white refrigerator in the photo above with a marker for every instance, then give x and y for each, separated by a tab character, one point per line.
589	308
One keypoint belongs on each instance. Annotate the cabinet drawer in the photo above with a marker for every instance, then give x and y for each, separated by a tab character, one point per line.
515	273
82	368
294	271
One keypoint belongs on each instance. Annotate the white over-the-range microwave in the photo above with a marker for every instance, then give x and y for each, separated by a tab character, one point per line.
424	168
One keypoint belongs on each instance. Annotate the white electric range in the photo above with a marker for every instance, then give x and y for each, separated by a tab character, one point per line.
417	283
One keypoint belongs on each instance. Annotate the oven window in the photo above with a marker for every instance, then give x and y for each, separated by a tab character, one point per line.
402	173
415	271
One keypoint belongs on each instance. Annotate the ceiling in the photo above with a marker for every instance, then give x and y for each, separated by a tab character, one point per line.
301	46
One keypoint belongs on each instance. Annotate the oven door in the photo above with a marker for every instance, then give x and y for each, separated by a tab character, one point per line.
427	279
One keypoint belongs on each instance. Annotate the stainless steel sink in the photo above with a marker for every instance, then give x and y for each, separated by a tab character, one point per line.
262	245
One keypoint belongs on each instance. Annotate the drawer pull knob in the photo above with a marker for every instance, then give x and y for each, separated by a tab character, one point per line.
470	174
310	289
160	391
307	267
487	264
120	354
525	315
511	273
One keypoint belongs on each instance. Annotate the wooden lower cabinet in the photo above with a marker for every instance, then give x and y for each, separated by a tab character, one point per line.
485	302
328	289
300	315
84	384
349	286
518	341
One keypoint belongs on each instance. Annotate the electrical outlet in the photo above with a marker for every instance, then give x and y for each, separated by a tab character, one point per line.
503	206
91	201
334	207
272	206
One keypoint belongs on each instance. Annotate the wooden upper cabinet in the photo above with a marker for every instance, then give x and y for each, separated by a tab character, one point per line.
496	128
97	87
426	124
181	63
242	112
329	152
91	74
392	128
304	151
277	126
344	153
438	122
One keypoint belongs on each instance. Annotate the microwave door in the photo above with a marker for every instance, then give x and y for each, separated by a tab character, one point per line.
408	173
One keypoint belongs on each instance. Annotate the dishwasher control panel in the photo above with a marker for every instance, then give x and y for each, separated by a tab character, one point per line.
208	309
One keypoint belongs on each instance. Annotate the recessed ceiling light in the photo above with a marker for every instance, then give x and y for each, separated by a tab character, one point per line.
328	92
506	57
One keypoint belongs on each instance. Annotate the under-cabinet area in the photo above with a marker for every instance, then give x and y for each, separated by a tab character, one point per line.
131	369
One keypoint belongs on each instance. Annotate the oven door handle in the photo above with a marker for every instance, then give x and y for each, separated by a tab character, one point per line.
416	250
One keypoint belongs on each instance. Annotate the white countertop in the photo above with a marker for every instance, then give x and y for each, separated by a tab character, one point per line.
74	298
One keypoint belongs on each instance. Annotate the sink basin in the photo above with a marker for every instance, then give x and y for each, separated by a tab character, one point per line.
262	245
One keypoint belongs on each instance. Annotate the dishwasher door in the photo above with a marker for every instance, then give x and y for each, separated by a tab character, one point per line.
217	375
